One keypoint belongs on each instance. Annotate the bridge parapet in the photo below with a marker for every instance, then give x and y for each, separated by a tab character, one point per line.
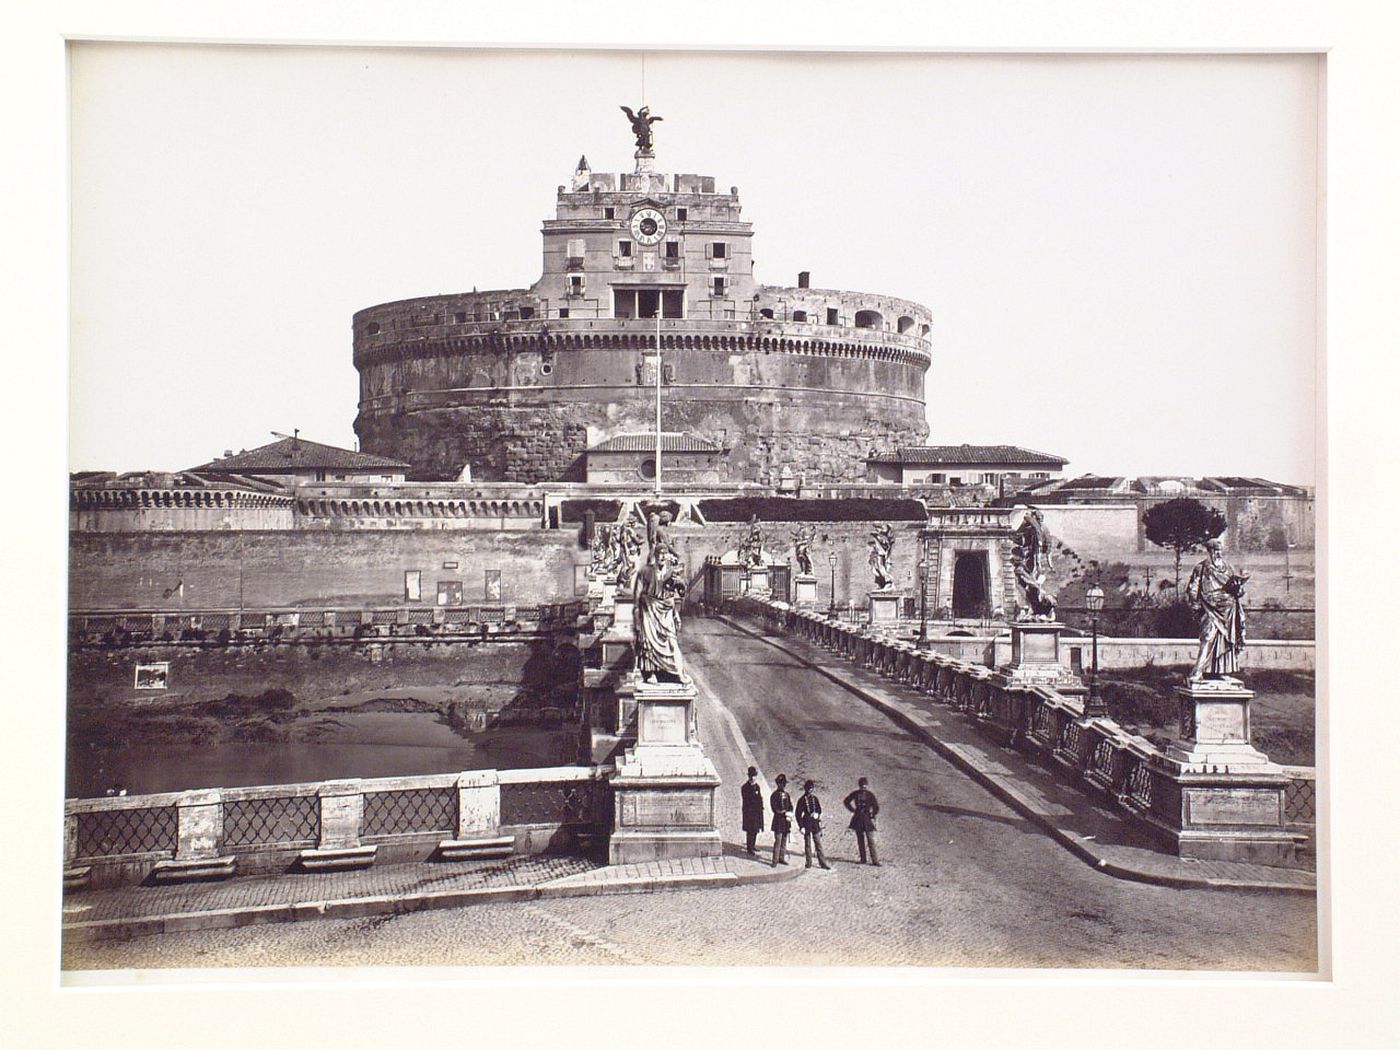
129	627
290	827
1175	804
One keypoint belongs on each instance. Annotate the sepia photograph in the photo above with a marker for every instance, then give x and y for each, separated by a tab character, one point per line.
617	509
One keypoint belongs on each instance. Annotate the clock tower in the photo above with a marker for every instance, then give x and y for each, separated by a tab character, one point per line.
629	247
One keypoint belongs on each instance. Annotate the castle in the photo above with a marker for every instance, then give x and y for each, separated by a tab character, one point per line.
517	385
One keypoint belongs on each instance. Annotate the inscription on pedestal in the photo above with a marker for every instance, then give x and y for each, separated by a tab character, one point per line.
1216	806
660	808
663	723
1220	723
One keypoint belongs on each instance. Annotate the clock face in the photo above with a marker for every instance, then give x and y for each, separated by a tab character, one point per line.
648	226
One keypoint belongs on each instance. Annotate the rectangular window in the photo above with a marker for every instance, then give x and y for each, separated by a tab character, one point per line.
624	302
413	585
718	250
648	302
527	313
989	479
717	288
576	284
563	313
832	317
449	592
682	214
937	479
673	303
460	317
609	213
673	249
624	249
493	585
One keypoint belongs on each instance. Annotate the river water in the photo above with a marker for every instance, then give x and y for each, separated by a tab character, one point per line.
371	744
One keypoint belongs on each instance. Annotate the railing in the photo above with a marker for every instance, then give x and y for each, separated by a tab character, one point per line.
1300	800
1096	753
243	626
133	833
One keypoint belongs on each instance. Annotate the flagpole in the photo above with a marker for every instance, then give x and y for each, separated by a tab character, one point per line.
658	394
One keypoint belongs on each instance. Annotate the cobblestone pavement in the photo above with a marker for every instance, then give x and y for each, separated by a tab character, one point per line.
965	881
262	891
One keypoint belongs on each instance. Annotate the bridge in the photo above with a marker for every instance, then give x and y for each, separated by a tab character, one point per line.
986	854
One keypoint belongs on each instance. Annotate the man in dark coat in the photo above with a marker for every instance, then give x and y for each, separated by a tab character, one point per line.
781	803
809	818
864	807
752	796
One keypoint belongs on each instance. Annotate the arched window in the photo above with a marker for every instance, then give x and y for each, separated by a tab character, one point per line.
869	319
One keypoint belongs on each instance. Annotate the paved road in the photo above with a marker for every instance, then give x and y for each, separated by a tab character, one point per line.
967	881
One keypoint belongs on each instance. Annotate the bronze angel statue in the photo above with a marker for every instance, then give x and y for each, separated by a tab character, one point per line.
642	120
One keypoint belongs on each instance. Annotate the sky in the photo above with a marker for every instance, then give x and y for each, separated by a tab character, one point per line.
1119	252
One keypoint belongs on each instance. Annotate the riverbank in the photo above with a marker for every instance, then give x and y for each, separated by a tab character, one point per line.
292	713
1283	716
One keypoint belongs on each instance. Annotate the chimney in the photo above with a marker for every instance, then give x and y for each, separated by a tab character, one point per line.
804	279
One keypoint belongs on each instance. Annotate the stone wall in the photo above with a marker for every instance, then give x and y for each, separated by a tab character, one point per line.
523	406
492	675
1254	524
272	569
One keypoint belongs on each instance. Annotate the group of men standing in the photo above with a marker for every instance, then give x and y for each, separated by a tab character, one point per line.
861	803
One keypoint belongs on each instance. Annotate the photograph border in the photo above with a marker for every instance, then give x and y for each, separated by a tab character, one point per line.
1355	867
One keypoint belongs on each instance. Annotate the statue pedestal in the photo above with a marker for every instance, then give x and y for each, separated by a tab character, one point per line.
757	580
664	786
623	607
1227	799
1035	656
1215	726
804	592
884	607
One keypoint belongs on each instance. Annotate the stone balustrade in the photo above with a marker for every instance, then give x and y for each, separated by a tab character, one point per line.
206	833
286	625
1094	752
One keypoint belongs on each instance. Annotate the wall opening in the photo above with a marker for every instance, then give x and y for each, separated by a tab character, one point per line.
971	585
869	319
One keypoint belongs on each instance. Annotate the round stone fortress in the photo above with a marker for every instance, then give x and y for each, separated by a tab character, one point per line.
518	384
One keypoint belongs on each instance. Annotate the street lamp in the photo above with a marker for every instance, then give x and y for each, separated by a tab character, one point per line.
831	560
923	599
1093	601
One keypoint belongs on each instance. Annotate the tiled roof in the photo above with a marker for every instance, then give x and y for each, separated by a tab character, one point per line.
670	442
295	454
948	455
1089	481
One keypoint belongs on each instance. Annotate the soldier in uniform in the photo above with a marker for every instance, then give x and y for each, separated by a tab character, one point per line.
864	807
809	819
752	796
781	804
